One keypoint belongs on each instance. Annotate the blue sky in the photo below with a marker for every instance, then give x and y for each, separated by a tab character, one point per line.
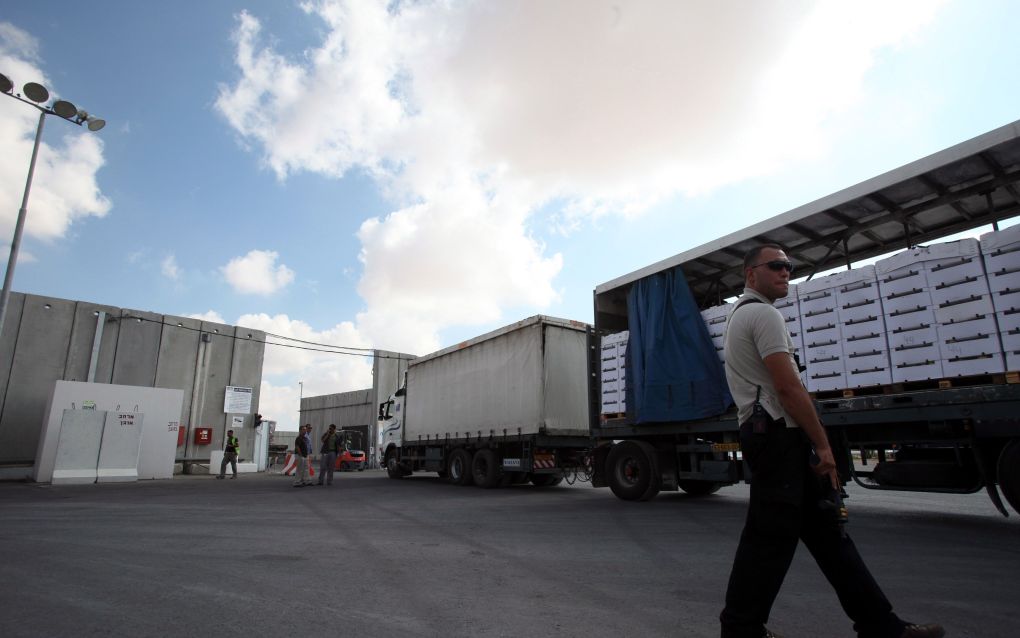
409	175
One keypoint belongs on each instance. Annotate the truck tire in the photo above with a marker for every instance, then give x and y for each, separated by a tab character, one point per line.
546	480
393	468
632	471
459	467
1008	471
485	468
699	488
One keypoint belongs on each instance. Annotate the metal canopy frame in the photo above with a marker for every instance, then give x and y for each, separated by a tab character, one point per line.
963	187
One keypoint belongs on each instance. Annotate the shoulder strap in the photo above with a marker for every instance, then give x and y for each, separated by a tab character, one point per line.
744	302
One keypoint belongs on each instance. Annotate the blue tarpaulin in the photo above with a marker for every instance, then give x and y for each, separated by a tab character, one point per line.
674	372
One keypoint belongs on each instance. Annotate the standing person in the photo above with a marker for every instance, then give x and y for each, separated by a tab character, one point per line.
330	448
229	455
302	449
778	429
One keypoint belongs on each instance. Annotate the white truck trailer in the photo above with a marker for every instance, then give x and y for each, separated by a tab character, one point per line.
508	406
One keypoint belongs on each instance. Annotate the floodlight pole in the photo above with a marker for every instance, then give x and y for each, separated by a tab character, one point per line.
37	96
19	227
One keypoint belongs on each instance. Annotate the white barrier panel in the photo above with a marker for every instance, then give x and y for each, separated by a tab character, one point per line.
77	447
158	445
118	455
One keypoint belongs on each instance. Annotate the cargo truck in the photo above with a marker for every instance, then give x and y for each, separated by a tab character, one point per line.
656	412
953	427
507	407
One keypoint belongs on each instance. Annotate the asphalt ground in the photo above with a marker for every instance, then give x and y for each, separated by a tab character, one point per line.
371	556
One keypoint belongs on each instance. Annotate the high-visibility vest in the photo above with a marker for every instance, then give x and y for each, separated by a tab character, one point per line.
232	442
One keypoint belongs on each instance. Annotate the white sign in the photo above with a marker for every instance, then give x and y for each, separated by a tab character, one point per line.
238	422
237	400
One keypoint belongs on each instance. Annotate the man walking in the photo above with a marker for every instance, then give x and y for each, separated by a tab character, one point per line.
779	429
229	455
302	449
330	448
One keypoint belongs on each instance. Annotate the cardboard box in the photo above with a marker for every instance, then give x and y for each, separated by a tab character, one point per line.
1001	250
858	292
915	369
952	262
902	272
820	381
906	300
963	310
1006	299
991	363
822	337
865	377
910	319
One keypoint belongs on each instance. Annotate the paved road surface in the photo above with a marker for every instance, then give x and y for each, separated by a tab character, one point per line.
418	557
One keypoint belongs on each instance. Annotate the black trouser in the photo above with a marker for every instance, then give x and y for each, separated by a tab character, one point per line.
228	457
784	508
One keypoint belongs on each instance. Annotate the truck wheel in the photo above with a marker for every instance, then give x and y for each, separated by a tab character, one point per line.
459	467
632	471
699	488
546	480
485	468
393	468
1008	471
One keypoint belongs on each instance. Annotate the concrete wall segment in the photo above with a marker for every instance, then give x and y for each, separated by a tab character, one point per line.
47	340
137	348
83	332
246	371
40	357
8	339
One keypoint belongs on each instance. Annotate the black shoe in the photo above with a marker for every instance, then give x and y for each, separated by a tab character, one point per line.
931	630
219	477
234	476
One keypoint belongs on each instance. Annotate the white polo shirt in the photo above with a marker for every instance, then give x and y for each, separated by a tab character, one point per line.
753	332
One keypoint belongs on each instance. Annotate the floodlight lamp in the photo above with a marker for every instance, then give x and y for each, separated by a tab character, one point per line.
36	92
95	124
6	85
65	109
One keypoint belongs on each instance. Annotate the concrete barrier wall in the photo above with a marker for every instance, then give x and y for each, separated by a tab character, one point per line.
45	340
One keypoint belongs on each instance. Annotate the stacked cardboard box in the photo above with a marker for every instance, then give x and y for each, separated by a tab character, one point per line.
964	315
862	328
715	320
909	317
823	346
613	357
1001	253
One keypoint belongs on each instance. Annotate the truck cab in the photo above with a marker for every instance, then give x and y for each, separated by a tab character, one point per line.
391	426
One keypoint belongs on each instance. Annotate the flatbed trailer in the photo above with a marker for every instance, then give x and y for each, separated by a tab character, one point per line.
941	438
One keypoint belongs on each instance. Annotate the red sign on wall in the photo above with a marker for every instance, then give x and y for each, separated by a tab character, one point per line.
203	436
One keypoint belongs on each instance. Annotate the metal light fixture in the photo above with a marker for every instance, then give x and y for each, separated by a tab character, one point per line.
65	109
37	95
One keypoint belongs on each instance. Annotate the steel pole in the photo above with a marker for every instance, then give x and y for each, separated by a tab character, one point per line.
19	227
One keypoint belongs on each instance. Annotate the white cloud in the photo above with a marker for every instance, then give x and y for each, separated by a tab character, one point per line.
210	315
473	115
24	257
301	360
170	268
64	188
257	273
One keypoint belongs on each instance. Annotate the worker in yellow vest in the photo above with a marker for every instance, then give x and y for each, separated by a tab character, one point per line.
229	455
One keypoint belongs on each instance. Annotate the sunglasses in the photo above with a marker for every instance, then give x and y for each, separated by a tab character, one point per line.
776	265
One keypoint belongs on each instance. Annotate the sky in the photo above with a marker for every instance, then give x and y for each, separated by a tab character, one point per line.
408	175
